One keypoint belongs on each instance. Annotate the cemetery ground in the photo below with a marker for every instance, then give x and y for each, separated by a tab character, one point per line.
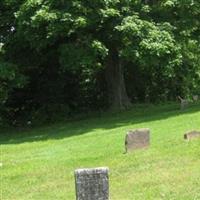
38	163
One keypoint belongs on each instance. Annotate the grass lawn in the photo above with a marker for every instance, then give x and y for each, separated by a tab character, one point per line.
39	163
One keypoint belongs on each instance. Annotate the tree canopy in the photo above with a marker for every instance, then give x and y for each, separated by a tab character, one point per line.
70	56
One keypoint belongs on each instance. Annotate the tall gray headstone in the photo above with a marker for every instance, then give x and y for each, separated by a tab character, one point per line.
137	139
92	184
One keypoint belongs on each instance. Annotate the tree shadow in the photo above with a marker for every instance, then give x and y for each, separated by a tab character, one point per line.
105	121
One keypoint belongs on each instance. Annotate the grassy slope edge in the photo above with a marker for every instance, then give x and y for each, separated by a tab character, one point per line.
39	163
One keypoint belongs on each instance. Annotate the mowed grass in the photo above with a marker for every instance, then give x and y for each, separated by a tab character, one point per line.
39	163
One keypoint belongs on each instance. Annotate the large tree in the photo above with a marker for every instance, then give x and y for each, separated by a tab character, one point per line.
98	34
70	49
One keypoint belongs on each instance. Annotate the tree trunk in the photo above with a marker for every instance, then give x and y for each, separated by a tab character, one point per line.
115	81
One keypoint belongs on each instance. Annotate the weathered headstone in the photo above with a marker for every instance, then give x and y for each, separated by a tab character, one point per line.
192	135
195	97
137	139
184	103
92	184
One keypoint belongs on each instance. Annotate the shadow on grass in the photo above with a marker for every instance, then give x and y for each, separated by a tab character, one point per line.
138	114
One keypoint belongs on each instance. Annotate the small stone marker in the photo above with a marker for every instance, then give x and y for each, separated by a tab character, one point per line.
195	97
192	135
184	103
92	184
137	139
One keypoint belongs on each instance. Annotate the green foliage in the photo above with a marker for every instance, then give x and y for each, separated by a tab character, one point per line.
10	79
63	48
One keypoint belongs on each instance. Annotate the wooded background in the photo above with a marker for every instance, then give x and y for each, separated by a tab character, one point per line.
59	58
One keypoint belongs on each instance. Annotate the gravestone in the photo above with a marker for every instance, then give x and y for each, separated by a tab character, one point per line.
92	184
195	97
137	139
184	103
192	135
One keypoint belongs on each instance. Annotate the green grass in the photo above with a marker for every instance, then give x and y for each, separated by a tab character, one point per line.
39	163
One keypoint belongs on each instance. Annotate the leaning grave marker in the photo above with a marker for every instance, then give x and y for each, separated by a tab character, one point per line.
192	135
137	139
92	184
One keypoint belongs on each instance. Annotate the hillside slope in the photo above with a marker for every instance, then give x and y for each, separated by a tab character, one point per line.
40	163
